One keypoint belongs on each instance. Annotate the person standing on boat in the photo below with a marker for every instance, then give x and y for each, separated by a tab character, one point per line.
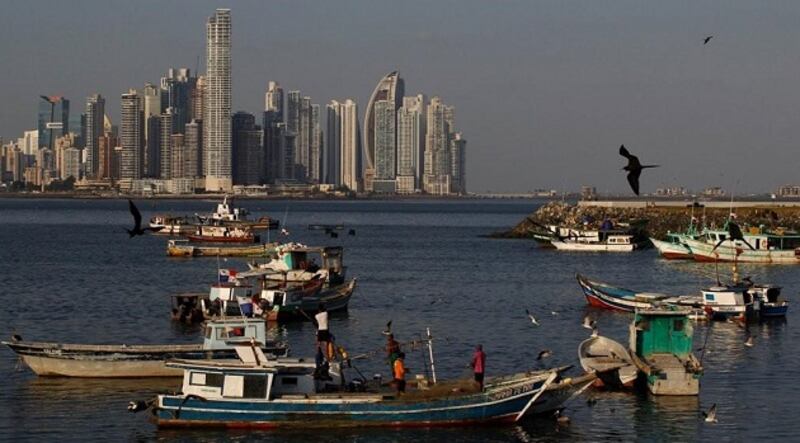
323	334
392	350
399	370
478	365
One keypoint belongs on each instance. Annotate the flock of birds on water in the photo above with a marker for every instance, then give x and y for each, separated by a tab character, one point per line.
634	169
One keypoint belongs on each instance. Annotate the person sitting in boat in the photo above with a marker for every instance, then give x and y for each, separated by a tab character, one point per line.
399	370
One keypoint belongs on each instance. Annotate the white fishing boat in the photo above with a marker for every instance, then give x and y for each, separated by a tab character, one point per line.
760	247
172	225
298	263
610	360
598	241
674	247
131	360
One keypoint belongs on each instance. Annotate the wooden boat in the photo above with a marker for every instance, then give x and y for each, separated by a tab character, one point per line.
284	306
118	361
223	234
780	247
256	393
298	263
599	241
772	303
610	360
182	248
661	348
606	296
172	225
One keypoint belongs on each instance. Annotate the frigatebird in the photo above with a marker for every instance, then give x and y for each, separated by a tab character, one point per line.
734	233
634	168
707	39
137	222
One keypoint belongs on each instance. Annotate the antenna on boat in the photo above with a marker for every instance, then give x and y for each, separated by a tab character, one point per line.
430	355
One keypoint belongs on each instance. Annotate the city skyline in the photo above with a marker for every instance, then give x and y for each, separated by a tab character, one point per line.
658	91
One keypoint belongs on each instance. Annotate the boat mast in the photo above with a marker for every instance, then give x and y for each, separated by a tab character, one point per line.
430	355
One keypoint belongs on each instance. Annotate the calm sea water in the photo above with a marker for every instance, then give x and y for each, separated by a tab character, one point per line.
69	273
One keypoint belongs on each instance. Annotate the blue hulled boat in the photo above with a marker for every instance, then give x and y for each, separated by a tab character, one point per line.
286	393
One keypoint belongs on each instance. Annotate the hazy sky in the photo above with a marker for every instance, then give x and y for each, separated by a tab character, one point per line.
544	92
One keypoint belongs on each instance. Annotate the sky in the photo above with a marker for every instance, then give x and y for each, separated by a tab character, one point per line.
544	91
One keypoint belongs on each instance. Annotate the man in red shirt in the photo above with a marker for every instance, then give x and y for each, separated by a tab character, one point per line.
478	365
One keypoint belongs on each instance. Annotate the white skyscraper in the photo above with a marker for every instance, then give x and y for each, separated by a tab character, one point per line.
390	88
131	135
436	179
217	118
410	143
344	145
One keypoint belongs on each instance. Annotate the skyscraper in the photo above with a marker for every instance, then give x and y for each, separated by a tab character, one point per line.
385	122
350	147
315	147
458	163
95	121
178	157
217	117
273	99
53	119
273	132
152	129
131	135
390	88
333	143
436	179
193	149
248	155
410	143
176	89
198	98
165	144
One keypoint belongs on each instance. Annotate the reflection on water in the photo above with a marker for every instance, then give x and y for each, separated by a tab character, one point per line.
420	264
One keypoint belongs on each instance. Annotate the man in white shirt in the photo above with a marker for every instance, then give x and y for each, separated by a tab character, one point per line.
323	334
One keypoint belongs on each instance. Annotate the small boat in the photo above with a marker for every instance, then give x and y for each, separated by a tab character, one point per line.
287	393
610	360
773	305
674	248
781	247
283	305
182	248
298	263
172	225
599	241
661	348
606	296
223	234
226	214
119	361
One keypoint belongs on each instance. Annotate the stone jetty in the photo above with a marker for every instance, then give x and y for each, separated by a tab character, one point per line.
656	220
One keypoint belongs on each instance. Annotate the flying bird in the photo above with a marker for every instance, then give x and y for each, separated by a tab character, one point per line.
554	313
734	233
284	232
531	317
137	222
589	323
634	168
388	329
707	39
544	353
711	415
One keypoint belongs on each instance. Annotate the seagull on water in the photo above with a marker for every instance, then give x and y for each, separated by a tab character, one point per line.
634	168
749	342
544	354
711	415
531	317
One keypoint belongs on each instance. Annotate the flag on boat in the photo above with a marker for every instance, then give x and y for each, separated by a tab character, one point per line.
227	275
245	305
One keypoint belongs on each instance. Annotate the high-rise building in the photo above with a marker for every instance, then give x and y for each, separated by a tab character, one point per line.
410	144
53	120
165	144
385	146
273	128
178	160
436	179
193	149
217	100
176	89
71	164
248	154
106	145
152	150
131	136
316	148
333	143
287	150
458	163
198	98
390	88
273	99
350	146
302	157
95	121
30	142
293	111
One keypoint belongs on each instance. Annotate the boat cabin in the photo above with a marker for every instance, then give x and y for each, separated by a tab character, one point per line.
296	259
662	330
727	299
227	333
224	212
619	239
233	297
257	377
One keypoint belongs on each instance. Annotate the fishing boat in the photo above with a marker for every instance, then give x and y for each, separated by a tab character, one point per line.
779	247
298	263
661	348
258	393
674	247
172	225
183	248
606	296
609	360
226	214
773	305
598	241
223	234
124	360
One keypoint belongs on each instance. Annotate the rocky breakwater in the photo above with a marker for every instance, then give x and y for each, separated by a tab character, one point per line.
655	221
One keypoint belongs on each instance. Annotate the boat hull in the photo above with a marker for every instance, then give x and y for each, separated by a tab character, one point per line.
704	252
503	405
219	239
588	247
114	361
335	300
617	299
672	251
181	250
